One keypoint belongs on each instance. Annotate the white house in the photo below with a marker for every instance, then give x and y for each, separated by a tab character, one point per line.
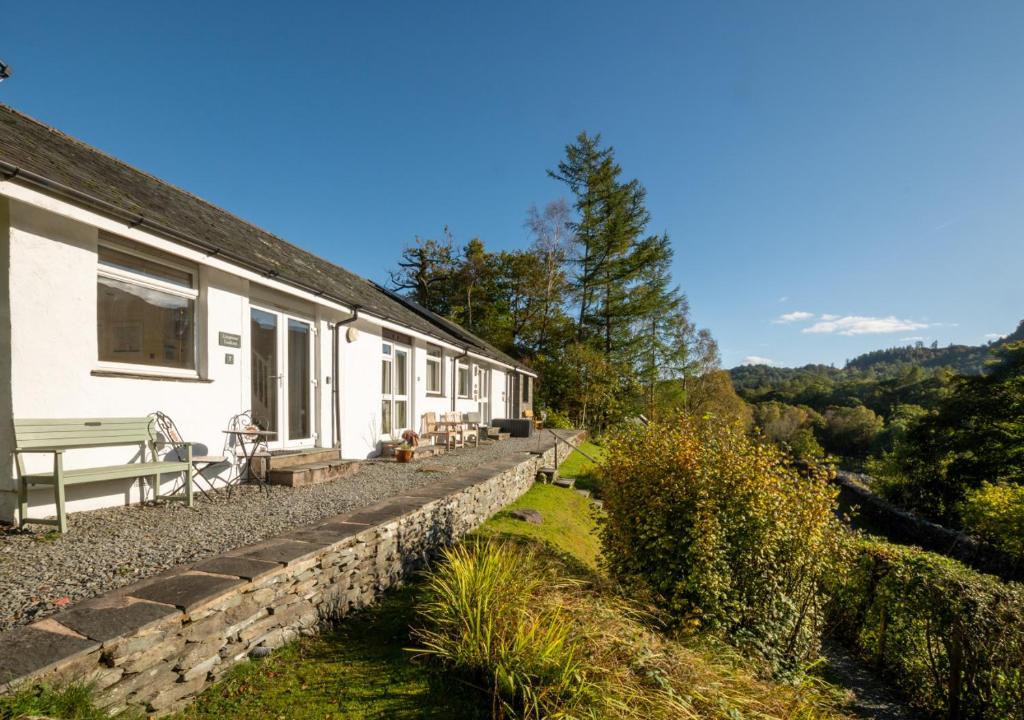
121	295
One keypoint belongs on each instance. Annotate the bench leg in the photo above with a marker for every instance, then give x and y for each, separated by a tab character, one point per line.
62	516
22	503
156	487
58	491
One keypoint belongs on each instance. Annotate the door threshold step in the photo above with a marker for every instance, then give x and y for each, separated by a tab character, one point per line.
313	473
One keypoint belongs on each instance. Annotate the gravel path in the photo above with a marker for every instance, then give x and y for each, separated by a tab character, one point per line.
105	549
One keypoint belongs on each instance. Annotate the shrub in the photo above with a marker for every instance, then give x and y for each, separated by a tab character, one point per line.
951	639
722	532
557	420
996	513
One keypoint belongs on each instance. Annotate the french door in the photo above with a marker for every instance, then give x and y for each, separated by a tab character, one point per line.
483	393
282	376
394	389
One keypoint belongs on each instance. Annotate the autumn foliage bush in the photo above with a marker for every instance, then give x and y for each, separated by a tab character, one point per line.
721	531
996	513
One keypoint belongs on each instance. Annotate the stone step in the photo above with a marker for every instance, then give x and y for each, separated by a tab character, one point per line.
313	473
303	457
564	482
548	475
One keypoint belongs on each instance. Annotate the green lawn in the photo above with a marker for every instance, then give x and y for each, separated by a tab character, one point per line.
569	523
583	469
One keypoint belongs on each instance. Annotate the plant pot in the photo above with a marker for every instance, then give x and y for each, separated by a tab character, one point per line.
403	456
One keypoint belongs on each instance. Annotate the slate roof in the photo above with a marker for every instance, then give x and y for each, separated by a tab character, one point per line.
44	158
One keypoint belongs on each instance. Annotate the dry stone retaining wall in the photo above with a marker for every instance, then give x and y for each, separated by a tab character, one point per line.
156	644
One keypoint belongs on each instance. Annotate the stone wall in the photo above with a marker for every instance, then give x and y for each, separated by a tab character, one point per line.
874	515
156	644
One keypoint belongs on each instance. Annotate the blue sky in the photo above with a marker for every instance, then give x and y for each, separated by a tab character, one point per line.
858	167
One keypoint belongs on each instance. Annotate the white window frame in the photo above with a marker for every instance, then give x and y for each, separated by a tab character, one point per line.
437	359
127	276
393	397
459	367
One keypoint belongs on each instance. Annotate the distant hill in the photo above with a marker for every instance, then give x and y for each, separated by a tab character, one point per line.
962	359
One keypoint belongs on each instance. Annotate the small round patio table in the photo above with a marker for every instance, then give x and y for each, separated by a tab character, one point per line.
249	439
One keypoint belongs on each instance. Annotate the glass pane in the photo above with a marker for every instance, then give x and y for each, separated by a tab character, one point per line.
138	325
263	340
142	266
299	425
385	377
433	376
400	372
385	417
400	415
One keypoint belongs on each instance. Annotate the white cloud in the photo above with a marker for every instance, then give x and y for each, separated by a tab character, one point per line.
784	298
994	336
757	360
914	338
862	325
793	317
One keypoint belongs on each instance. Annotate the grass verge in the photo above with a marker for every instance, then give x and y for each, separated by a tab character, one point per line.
583	469
569	523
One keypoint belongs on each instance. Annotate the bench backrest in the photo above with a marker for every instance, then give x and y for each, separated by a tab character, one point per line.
81	432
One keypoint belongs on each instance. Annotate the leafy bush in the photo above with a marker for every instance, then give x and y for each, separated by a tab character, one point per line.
996	513
722	532
557	420
951	638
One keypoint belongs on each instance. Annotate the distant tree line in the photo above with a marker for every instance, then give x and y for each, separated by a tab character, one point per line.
947	444
590	304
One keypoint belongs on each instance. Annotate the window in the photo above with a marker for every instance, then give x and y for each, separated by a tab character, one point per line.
464	381
145	311
526	388
434	374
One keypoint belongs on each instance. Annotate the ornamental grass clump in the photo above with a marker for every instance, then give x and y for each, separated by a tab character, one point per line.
723	533
486	618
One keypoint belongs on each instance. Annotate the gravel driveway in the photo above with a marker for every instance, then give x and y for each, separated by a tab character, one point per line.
109	548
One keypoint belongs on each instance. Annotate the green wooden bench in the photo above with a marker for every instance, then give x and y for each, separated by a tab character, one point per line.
54	436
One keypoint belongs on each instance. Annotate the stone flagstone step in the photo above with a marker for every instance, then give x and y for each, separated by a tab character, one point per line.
313	473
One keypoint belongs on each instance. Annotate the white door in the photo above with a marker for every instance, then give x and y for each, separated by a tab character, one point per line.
394	387
282	377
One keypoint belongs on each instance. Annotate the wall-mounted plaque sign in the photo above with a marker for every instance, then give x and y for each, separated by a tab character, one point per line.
229	358
229	339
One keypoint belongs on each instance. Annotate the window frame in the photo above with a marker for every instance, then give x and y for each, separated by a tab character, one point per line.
435	355
527	381
141	280
459	367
